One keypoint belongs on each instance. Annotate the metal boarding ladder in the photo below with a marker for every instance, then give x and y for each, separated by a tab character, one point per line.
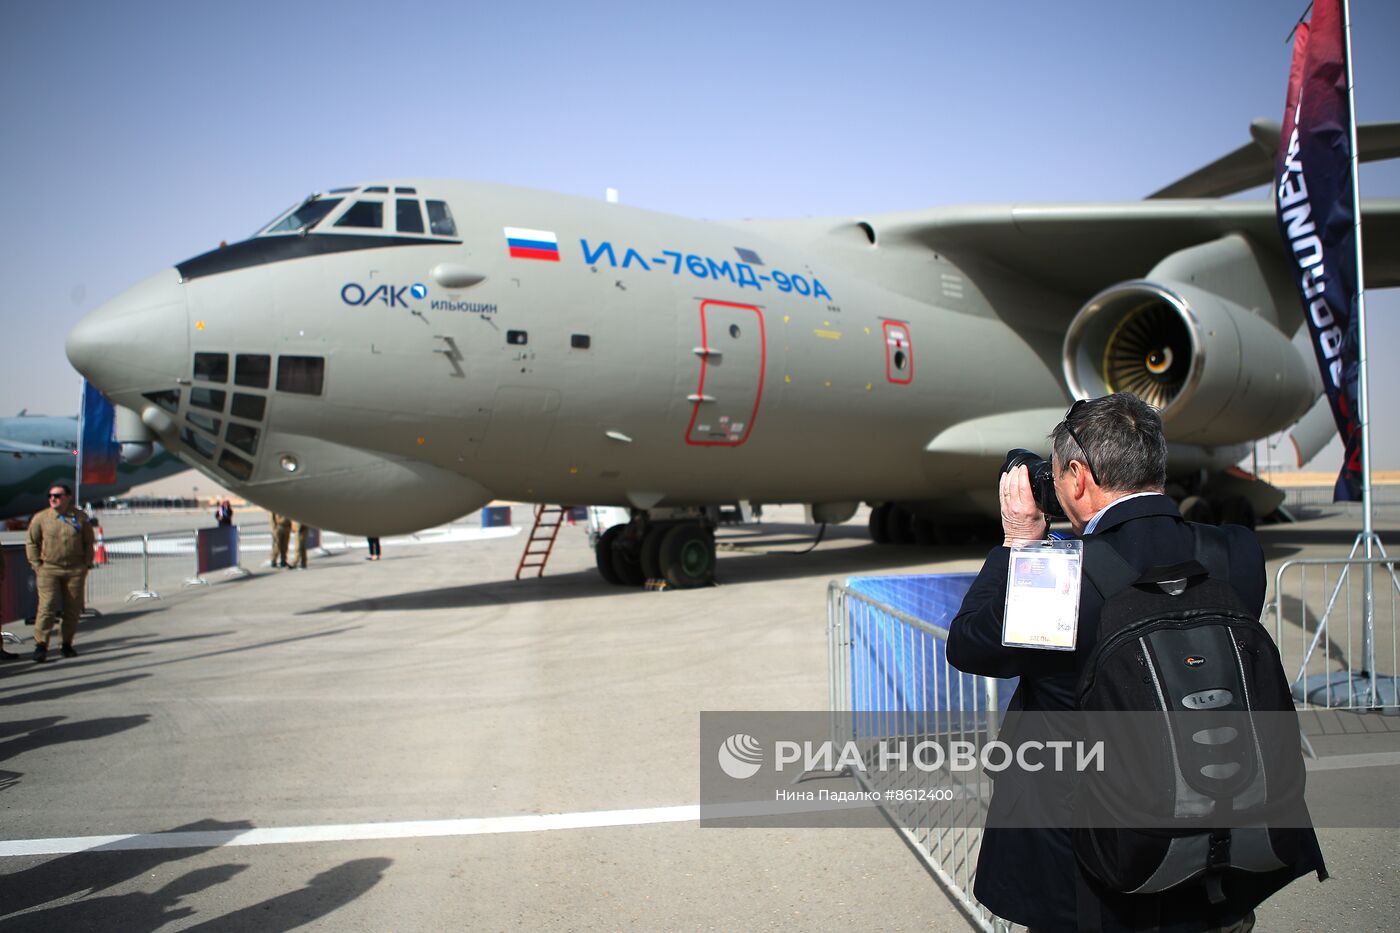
540	544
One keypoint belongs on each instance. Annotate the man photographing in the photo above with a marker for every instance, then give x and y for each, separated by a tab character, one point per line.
1108	464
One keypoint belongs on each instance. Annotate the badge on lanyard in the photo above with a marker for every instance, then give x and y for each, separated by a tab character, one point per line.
1042	596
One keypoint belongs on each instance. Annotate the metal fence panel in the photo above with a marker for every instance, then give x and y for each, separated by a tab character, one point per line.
1320	625
888	674
121	571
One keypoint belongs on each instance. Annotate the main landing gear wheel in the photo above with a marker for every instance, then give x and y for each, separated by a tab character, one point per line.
899	526
651	552
603	554
927	532
688	557
879	517
627	561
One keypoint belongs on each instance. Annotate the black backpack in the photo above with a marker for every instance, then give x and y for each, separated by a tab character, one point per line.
1178	648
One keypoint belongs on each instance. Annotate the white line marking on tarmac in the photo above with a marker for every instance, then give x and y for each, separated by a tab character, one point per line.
1364	760
414	829
476	826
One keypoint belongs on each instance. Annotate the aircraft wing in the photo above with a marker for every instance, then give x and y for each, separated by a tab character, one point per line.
1252	164
1081	248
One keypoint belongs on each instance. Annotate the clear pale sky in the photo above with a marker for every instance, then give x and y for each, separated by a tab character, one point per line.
136	135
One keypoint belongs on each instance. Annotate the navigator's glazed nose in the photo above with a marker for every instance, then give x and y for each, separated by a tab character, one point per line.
137	340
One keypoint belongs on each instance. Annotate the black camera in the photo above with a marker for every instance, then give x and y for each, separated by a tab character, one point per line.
1042	479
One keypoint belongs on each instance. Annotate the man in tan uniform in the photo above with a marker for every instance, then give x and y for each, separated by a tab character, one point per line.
282	539
60	549
303	530
272	527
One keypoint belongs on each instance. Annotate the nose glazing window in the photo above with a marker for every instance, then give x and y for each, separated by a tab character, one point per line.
248	406
252	370
210	399
211	367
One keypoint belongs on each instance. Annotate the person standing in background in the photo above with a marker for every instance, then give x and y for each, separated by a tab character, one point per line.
303	531
60	548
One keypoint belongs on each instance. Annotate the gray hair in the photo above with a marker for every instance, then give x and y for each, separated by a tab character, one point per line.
1123	442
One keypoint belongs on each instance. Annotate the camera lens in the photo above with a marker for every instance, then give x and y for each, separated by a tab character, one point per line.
1042	479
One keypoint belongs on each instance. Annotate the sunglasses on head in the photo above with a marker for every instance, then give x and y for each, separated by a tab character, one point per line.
1069	417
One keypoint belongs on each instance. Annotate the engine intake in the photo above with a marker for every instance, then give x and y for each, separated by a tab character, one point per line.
1219	373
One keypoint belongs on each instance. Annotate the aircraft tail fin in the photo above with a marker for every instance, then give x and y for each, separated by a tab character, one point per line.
1252	164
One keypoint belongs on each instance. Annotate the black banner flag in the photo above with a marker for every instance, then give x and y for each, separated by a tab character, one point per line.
1315	202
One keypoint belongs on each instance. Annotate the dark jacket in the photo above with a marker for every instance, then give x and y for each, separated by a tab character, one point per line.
1030	875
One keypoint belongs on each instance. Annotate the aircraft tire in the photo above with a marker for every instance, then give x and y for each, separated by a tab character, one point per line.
899	525
1237	510
1198	509
927	532
627	561
651	552
879	517
688	557
603	553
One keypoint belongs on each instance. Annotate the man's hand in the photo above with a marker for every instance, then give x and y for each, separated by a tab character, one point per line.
1021	519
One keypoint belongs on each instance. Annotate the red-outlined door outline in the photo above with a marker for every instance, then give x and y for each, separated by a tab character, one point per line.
899	353
715	421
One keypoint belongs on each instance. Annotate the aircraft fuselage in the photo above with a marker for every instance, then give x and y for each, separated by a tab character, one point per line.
565	350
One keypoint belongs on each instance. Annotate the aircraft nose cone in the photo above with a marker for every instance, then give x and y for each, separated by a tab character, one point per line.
138	339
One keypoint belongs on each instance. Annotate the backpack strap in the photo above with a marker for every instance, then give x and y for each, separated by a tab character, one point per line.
1106	568
1212	552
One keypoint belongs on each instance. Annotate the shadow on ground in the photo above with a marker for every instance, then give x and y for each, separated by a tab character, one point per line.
67	893
779	553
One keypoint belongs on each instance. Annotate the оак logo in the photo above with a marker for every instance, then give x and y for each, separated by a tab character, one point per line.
393	296
740	756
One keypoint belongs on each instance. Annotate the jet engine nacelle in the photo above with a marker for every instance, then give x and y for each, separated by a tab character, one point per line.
1219	373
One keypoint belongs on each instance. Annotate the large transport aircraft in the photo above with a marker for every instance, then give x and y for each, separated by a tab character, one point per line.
388	356
37	451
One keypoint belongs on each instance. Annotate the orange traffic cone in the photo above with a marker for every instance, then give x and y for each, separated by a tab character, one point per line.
99	552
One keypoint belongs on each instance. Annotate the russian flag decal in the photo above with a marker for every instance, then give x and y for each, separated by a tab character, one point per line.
532	244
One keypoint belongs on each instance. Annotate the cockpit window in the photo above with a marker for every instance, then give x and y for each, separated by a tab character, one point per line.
306	216
410	216
363	214
440	219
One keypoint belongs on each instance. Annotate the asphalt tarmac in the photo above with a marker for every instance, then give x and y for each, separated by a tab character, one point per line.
424	743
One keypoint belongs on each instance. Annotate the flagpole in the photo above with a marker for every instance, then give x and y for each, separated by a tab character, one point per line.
78	466
1363	388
